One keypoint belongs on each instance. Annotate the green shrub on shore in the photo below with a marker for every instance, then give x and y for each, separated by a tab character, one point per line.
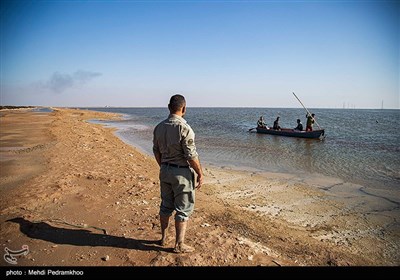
15	107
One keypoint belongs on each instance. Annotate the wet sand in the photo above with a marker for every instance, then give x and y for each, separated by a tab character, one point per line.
79	196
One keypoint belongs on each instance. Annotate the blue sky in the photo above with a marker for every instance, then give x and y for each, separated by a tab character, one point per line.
216	53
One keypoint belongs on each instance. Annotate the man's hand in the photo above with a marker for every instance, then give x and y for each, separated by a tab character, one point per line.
195	164
199	181
157	155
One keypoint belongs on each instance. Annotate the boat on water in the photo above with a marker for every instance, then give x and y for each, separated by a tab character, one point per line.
315	134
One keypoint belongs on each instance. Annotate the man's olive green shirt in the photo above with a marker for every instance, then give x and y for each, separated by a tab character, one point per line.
173	138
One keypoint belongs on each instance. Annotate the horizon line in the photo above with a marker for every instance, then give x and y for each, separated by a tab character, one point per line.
216	107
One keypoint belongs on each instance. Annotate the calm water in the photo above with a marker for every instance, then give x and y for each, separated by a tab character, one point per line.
361	146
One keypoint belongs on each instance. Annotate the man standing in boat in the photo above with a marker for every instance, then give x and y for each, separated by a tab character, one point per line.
310	122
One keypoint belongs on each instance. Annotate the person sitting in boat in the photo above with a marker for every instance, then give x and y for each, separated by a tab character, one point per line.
276	124
299	126
261	123
310	122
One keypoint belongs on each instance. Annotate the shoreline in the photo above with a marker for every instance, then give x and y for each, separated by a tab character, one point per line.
241	217
317	181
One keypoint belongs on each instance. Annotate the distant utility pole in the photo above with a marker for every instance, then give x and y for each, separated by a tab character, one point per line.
382	104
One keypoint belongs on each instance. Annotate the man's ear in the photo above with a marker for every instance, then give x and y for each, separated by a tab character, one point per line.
184	109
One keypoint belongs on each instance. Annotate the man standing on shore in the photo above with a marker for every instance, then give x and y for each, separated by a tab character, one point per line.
175	152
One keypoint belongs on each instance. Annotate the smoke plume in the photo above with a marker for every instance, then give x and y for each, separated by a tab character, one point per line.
59	82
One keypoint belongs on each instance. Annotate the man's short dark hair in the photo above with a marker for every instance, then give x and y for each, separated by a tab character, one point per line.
176	102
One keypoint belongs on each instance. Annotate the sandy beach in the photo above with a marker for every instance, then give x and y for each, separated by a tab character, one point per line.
79	196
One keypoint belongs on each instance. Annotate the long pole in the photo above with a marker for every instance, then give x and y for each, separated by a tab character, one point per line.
306	109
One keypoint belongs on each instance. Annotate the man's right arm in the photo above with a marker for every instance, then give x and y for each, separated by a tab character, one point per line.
157	155
156	149
189	150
